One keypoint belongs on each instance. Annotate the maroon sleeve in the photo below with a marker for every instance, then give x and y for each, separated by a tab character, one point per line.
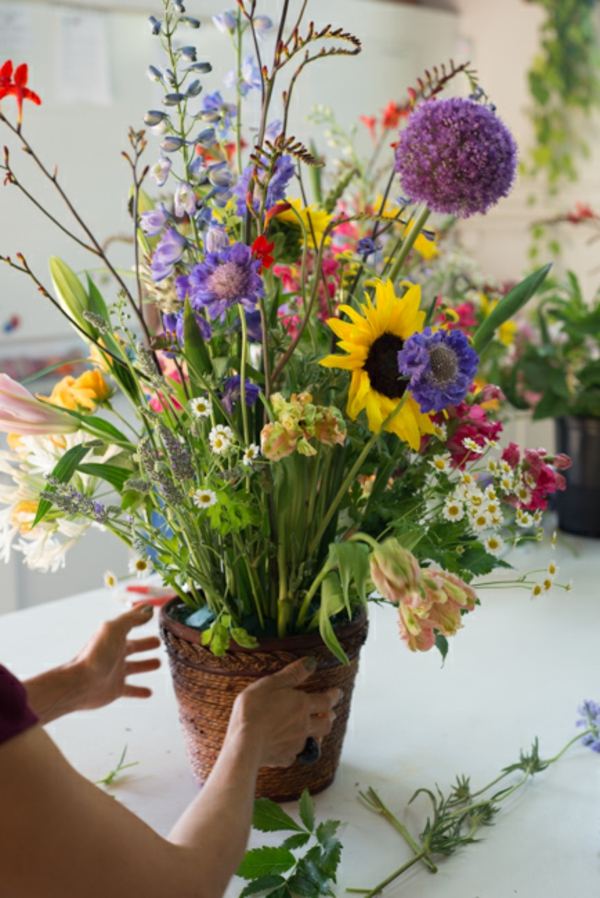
15	714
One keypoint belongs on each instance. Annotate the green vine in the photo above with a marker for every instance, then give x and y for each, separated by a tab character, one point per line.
564	80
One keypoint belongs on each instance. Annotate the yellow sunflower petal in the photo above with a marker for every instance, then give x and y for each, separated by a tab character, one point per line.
346	362
357	394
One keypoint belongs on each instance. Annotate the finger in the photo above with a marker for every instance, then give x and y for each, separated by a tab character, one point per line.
136	691
135	617
136	667
321	726
142	645
296	673
322	702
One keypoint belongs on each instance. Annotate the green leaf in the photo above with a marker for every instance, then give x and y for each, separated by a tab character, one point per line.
262	884
310	880
352	560
270	818
307	810
327	832
441	644
100	426
508	307
63	471
114	475
194	347
332	602
243	638
265	861
296	841
70	292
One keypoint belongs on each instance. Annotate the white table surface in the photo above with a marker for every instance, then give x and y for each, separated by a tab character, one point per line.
518	669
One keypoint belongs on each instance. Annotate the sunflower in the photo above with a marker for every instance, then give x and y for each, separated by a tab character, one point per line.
372	341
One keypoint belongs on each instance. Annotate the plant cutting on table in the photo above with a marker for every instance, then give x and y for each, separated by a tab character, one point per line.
300	428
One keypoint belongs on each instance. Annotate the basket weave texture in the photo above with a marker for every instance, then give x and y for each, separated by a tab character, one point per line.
206	688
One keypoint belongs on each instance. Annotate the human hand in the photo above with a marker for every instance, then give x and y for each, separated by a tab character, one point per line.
278	717
104	665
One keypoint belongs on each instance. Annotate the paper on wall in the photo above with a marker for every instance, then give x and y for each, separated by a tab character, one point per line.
16	29
82	58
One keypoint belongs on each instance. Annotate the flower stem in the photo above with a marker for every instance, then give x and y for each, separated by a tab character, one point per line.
389	879
409	242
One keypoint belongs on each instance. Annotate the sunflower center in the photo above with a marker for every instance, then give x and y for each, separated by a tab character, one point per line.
443	365
382	366
228	281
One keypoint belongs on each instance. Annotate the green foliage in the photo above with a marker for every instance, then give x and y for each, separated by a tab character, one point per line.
62	472
275	871
508	308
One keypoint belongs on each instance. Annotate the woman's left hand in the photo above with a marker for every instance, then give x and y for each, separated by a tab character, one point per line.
107	662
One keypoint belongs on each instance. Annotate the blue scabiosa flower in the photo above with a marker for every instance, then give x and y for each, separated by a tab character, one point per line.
168	252
276	188
590	720
232	393
456	156
440	368
225	279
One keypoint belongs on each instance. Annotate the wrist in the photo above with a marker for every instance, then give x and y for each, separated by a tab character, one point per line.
245	737
57	692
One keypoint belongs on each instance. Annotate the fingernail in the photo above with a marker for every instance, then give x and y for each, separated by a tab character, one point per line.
311	663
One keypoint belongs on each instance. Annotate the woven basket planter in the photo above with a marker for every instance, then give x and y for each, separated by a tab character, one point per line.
206	688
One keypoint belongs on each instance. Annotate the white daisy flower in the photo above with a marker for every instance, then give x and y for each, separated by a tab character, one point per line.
200	407
493	509
494	544
204	498
472	446
110	580
479	521
537	590
492	466
441	463
523	494
547	584
505	467
440	431
506	483
250	454
523	519
220	439
453	510
139	566
490	493
553	569
475	498
468	480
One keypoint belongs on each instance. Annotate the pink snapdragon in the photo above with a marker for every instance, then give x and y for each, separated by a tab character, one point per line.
23	414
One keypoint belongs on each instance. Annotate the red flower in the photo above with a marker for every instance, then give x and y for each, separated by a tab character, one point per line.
582	212
262	249
392	114
14	84
370	122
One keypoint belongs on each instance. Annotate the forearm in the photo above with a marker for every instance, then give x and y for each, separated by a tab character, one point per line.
218	822
56	692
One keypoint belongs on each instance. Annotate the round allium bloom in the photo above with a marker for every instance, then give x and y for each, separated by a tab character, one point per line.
224	279
440	366
456	156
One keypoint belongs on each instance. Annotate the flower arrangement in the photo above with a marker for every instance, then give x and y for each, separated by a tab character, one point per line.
300	424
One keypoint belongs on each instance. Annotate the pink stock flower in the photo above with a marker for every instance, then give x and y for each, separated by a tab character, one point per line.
539	472
511	454
22	413
473	424
160	401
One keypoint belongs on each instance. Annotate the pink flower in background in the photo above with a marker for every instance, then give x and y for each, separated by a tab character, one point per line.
475	425
22	413
539	473
158	401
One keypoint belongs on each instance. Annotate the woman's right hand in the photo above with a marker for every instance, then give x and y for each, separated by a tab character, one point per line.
278	717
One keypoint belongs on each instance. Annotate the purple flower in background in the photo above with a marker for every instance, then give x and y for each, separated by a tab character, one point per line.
216	110
274	129
232	393
366	247
440	367
590	720
262	25
173	326
226	21
215	239
249	77
456	156
185	200
226	278
154	221
254	326
168	252
284	169
160	171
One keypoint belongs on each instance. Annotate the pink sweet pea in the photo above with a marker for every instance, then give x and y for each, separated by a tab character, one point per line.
22	413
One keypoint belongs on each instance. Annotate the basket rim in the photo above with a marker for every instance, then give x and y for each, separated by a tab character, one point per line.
294	642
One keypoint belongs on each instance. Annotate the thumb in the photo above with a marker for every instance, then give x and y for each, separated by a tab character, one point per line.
136	617
296	673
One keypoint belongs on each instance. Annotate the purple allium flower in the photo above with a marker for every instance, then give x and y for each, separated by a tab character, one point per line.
232	393
168	252
456	156
160	171
284	169
590	720
440	367
153	222
226	278
184	202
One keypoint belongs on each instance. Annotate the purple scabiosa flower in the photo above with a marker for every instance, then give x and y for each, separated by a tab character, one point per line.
590	720
276	188
154	221
226	278
440	367
456	156
232	393
184	202
160	171
168	252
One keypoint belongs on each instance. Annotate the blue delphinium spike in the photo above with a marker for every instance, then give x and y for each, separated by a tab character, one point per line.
155	24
